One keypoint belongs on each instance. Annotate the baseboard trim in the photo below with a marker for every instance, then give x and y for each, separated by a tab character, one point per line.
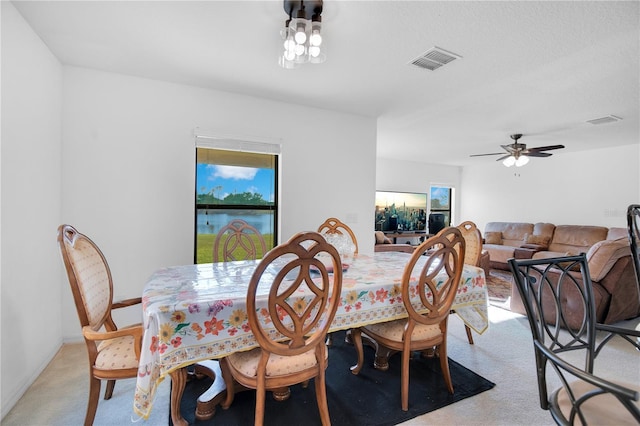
16	394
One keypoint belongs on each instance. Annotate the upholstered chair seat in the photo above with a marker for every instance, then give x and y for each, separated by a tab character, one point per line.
246	363
603	410
393	330
117	354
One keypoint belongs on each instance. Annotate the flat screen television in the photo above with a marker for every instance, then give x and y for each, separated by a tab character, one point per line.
400	211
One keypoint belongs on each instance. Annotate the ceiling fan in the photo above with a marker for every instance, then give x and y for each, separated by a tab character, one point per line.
518	154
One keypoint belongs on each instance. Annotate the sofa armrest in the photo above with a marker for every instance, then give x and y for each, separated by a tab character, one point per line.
604	254
534	247
523	253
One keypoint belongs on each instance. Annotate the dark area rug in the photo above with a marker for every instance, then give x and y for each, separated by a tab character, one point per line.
370	398
499	285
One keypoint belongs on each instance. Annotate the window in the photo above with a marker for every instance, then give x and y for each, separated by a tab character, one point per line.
441	202
234	185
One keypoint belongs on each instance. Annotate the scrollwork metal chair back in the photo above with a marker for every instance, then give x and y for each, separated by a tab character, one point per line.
583	397
633	224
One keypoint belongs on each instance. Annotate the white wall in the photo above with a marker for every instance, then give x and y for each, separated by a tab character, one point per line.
582	188
129	168
31	201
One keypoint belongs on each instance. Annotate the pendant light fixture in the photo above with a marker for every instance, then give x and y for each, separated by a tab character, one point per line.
302	34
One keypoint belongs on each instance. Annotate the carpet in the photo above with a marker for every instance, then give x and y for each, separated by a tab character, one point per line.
499	285
370	398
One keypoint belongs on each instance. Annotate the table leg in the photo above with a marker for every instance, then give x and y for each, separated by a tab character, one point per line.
281	394
212	397
381	360
178	382
207	402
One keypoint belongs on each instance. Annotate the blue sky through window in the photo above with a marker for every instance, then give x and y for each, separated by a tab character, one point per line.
222	180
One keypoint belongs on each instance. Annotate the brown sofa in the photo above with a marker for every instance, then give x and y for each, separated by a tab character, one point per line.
608	256
383	243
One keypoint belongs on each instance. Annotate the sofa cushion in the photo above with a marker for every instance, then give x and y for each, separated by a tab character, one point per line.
540	240
512	232
499	253
545	254
493	238
618	234
543	228
576	239
381	238
604	254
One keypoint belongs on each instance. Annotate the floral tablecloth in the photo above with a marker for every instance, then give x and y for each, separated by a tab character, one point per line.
197	312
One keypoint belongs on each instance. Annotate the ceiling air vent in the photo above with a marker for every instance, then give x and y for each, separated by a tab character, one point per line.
434	58
603	120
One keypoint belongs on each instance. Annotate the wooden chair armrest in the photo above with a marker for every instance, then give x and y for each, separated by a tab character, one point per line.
133	331
126	302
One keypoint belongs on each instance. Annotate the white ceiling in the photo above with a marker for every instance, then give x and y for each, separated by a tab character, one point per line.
541	68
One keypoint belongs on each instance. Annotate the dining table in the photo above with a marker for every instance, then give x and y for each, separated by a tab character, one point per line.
197	313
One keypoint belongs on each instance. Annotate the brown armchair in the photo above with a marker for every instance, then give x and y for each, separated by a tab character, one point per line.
113	353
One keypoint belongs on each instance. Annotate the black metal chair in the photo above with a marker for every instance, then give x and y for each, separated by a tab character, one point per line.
583	398
633	223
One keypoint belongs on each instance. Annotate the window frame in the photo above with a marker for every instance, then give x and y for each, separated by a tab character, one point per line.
237	144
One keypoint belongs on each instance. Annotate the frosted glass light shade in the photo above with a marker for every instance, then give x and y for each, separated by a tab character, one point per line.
509	161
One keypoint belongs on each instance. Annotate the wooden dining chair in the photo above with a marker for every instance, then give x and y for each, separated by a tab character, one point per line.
336	226
568	340
302	301
434	279
238	240
473	250
113	353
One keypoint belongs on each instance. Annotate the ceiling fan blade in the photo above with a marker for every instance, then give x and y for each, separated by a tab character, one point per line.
545	148
538	154
482	155
504	157
509	148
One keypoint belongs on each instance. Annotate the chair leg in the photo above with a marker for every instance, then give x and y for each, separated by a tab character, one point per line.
261	395
108	392
321	397
92	404
228	381
444	366
404	379
469	337
356	338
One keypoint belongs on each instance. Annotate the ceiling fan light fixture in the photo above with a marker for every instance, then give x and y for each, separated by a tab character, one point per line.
521	160
509	161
